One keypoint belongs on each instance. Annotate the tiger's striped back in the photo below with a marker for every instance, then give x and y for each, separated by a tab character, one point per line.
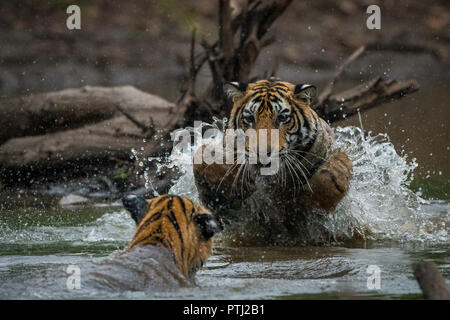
177	224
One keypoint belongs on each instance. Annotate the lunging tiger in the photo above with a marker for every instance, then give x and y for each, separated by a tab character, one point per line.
173	239
313	176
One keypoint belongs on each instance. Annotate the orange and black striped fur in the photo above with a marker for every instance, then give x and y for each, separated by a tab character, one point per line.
176	224
312	174
173	239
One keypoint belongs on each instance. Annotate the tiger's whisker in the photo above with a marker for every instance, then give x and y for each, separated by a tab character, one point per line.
301	170
291	170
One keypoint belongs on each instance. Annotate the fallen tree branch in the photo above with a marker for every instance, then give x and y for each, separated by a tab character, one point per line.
334	107
241	36
71	108
132	119
147	131
109	140
225	30
254	25
193	69
364	97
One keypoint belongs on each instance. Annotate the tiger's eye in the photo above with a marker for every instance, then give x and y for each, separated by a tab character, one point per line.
283	118
248	119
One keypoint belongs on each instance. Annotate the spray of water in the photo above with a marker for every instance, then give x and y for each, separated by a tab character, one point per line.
182	158
379	204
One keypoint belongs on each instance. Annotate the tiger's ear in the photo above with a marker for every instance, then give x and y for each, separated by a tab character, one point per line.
235	90
137	206
207	224
305	92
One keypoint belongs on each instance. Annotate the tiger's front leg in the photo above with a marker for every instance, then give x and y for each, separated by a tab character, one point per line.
220	185
330	183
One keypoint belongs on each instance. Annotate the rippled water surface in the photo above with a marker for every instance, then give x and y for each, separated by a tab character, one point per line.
231	273
399	228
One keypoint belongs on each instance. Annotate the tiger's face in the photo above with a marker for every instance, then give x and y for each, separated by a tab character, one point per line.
174	223
269	105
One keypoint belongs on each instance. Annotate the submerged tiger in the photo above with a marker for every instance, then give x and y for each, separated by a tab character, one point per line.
173	239
313	176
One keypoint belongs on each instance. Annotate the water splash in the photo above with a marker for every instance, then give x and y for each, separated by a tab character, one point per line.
181	157
144	168
379	200
110	226
114	226
379	204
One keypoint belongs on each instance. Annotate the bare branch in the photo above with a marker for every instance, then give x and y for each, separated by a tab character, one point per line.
363	97
255	22
147	130
192	69
240	40
225	30
330	87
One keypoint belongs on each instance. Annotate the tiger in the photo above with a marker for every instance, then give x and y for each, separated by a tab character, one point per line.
313	174
172	240
177	224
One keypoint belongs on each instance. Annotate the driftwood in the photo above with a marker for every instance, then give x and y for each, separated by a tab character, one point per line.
50	112
431	282
72	108
35	143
